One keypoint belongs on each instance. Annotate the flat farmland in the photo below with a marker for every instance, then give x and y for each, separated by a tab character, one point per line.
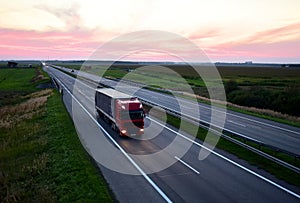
263	87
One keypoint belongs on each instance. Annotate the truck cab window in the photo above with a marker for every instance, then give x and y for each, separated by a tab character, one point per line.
132	115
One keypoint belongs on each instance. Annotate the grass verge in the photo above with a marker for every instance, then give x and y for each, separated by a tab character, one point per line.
254	159
278	171
79	179
257	112
41	157
252	111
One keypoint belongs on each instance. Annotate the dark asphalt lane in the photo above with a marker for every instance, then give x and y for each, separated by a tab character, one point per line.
126	188
218	181
268	132
277	135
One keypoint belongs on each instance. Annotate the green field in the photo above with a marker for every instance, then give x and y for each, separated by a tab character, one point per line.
268	92
41	156
245	81
15	83
252	158
17	79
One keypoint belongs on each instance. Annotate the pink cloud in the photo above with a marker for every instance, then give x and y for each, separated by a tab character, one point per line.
288	32
37	45
259	52
202	34
280	44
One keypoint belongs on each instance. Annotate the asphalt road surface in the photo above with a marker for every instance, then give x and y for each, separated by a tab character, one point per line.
275	134
218	178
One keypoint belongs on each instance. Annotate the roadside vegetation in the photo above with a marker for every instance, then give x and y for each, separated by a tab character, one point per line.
271	93
260	162
41	157
232	80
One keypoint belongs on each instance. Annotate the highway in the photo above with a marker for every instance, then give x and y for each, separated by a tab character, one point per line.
218	178
272	133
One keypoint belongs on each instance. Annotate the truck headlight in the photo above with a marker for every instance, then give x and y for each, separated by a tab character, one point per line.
142	130
123	131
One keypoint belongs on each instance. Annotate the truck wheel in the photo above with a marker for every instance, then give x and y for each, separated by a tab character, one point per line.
113	126
118	131
100	115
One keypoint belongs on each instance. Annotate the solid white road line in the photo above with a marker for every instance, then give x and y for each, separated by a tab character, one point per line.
230	161
189	116
198	144
230	131
184	163
163	195
238	116
236	123
231	114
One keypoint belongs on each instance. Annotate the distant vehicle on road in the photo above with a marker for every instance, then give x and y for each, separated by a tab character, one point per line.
123	112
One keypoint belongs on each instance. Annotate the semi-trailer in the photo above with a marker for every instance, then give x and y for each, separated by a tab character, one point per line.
124	113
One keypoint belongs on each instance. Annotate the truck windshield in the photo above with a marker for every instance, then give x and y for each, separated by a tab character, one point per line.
133	115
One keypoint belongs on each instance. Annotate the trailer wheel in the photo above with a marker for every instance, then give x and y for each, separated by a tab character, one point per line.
97	115
100	115
118	131
106	120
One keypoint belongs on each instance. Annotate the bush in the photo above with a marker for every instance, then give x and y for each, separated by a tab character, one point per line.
231	86
284	101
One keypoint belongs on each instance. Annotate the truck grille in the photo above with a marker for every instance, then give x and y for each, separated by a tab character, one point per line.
133	128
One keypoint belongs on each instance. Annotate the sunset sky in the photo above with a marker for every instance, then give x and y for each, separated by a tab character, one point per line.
227	31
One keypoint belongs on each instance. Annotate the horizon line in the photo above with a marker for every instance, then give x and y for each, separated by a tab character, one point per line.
165	62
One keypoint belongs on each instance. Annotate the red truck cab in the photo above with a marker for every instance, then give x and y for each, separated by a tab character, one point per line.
129	116
124	112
